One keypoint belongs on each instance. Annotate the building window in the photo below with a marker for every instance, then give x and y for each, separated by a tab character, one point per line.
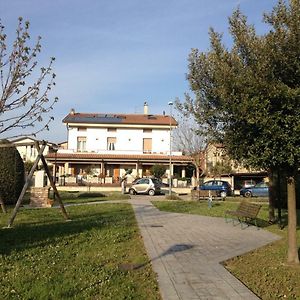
147	130
111	129
81	129
81	144
147	145
111	143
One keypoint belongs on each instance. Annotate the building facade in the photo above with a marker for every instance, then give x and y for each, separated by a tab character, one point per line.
106	146
27	148
216	164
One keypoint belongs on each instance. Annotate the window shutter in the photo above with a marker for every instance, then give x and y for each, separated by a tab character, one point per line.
147	145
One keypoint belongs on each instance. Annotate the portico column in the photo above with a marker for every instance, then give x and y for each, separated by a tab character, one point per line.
102	168
183	172
67	168
171	169
140	171
137	169
60	171
53	171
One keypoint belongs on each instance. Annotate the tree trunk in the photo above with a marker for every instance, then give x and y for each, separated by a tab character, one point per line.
293	257
197	175
197	166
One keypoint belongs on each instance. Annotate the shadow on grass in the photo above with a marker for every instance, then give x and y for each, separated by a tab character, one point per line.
41	233
80	201
282	222
215	204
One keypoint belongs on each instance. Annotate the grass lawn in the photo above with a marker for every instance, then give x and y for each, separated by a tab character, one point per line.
92	257
264	270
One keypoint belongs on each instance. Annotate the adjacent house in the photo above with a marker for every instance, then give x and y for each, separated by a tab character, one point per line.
106	146
216	164
27	149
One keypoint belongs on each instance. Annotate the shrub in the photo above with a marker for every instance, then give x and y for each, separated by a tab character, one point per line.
91	195
158	170
11	173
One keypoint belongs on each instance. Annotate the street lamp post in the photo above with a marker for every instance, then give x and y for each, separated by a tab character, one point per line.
170	155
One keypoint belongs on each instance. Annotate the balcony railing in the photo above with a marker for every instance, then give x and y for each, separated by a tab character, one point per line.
128	152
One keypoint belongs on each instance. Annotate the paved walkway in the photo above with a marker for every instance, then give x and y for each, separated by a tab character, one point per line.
186	251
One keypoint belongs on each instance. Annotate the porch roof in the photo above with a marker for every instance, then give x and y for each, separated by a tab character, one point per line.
250	173
97	158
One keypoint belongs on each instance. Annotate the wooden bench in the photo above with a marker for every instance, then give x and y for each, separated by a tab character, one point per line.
246	212
203	194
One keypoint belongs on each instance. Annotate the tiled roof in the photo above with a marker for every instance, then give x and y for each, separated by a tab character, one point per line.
133	119
97	156
23	138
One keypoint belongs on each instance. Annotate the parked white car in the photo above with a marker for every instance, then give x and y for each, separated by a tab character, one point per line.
149	186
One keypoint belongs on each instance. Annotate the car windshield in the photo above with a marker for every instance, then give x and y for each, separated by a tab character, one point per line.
143	181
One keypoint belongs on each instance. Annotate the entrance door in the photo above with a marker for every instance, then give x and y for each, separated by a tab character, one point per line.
116	174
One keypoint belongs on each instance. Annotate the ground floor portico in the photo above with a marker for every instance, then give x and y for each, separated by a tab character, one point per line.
109	168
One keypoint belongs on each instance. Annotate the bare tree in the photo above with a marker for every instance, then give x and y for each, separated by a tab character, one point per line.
25	87
188	140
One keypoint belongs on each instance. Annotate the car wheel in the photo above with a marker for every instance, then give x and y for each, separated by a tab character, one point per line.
132	192
223	194
151	192
248	194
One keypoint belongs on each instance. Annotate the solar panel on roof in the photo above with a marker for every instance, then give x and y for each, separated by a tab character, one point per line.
96	118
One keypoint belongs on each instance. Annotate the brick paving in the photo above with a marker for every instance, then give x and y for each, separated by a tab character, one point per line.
186	251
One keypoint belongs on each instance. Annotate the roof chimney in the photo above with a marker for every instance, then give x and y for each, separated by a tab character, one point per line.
146	108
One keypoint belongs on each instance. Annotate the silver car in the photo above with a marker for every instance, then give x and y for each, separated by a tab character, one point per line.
149	186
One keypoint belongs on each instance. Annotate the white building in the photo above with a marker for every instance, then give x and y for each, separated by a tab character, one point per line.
27	149
107	145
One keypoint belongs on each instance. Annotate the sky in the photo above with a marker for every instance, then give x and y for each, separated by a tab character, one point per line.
113	55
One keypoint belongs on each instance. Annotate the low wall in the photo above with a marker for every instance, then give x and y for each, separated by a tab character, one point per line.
90	188
115	189
39	197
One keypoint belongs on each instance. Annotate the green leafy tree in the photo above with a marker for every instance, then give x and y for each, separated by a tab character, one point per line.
158	171
220	168
24	86
248	97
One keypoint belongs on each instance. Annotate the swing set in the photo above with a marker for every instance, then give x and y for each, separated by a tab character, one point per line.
40	157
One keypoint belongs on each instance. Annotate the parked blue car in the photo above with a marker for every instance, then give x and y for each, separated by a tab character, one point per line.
261	189
223	187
